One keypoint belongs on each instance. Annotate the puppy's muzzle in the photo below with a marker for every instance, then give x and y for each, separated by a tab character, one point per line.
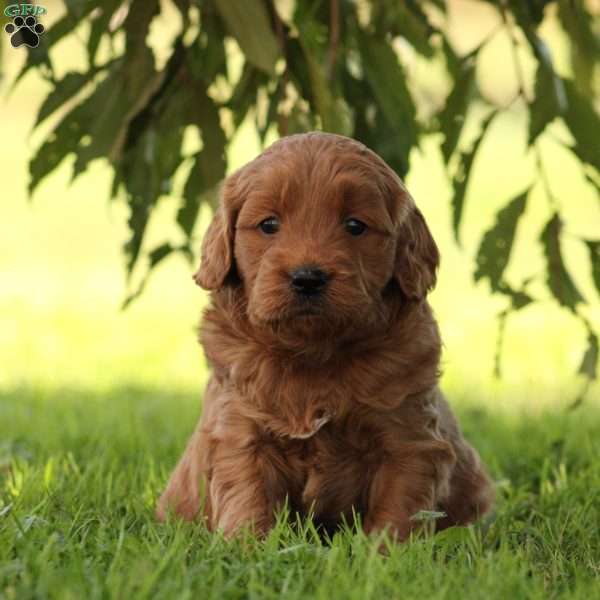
308	281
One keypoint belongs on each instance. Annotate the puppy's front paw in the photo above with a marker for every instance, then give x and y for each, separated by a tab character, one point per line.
186	508
398	530
181	497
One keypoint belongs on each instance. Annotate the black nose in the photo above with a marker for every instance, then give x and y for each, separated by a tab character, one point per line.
308	280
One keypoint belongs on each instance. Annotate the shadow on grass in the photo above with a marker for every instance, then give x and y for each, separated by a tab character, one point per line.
36	423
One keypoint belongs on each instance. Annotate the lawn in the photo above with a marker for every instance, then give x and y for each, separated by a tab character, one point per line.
78	483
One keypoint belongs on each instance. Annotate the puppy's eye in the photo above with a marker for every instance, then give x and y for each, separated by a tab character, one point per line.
354	226
269	226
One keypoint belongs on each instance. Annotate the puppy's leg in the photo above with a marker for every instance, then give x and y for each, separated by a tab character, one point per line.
247	485
246	476
471	490
182	494
406	484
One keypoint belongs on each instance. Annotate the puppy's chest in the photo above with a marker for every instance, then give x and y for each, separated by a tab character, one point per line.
329	471
296	402
295	407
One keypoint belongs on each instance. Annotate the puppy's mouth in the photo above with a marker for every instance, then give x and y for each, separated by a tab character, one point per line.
306	311
300	321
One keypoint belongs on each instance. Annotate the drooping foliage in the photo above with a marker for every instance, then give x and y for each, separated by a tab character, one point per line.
336	65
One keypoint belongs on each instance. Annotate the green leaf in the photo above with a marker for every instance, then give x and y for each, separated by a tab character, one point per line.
333	110
127	91
137	222
155	257
544	107
453	61
461	177
205	57
584	124
195	186
496	245
589	362
273	113
64	139
299	121
588	366
99	26
63	90
150	160
184	9
559	281
593	182
116	102
387	80
594	250
159	253
79	9
125	102
214	60
584	43
528	14
518	298
65	25
440	5
407	20
550	96
370	125
298	68
244	93
210	164
452	117
207	171
249	23
38	57
428	515
137	24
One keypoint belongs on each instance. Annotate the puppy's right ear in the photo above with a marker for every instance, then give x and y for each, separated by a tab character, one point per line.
217	251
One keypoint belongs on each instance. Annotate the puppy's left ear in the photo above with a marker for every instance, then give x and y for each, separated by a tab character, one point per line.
417	256
217	252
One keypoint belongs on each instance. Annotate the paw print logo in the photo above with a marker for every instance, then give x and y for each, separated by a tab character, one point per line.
24	31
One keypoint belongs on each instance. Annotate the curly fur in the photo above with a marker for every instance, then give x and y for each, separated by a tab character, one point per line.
334	409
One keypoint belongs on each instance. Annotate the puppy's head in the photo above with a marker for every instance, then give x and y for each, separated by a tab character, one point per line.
319	231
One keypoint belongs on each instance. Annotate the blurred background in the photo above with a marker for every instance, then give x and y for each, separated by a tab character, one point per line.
62	270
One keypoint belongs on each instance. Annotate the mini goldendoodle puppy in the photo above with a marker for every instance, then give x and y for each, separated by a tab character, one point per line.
324	353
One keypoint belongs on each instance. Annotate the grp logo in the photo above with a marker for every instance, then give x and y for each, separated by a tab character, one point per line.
24	29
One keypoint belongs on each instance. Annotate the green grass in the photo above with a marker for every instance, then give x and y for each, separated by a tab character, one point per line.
80	472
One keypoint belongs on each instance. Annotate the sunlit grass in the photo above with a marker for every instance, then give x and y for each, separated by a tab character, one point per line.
78	483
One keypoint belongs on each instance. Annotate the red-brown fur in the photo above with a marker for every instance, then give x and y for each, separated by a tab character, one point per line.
366	359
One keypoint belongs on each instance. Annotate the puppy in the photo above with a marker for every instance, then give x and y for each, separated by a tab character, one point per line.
324	352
